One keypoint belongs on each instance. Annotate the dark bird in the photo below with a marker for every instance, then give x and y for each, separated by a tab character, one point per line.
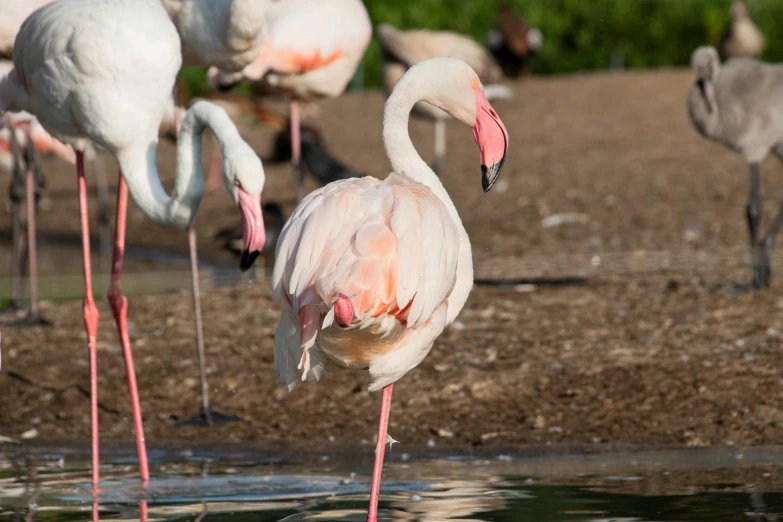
321	165
513	42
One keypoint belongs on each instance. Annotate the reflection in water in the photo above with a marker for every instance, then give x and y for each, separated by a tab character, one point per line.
689	486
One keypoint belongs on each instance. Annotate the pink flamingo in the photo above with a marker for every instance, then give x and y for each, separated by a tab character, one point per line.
67	74
310	49
14	14
224	34
371	272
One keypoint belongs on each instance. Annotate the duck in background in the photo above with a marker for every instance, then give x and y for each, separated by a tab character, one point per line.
513	42
321	165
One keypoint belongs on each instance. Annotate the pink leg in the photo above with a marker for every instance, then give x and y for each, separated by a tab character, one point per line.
214	176
32	246
380	448
296	151
143	511
119	306
90	314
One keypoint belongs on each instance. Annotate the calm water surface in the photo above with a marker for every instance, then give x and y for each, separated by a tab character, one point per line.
53	484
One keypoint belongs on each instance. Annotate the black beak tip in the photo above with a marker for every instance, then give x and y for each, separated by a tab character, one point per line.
248	258
489	176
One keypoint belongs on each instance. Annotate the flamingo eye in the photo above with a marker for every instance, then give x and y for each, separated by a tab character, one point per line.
237	183
474	84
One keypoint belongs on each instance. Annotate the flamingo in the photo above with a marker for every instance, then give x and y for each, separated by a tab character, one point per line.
67	74
14	14
310	49
225	34
371	272
22	138
401	49
220	33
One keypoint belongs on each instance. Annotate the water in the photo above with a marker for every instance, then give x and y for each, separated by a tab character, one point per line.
723	485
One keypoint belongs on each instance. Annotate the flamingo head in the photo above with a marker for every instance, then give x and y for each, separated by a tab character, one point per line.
457	89
706	64
244	177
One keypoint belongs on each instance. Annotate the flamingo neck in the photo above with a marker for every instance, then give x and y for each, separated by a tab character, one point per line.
397	141
139	167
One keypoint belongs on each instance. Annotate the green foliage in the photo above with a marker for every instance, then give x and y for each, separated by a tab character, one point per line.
582	35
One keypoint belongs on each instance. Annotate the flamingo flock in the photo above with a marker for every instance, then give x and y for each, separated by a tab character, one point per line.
368	272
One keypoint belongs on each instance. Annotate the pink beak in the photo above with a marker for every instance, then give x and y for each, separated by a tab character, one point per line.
492	138
253	230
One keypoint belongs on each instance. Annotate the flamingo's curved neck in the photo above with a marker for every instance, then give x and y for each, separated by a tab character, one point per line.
139	167
396	139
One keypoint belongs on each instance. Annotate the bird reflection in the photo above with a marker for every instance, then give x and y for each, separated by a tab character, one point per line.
458	499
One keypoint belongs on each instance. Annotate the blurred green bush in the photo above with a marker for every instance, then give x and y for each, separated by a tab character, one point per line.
579	35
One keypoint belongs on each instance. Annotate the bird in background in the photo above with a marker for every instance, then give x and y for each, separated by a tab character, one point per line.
740	105
22	139
370	272
310	49
513	43
741	38
73	44
402	49
224	34
218	33
319	162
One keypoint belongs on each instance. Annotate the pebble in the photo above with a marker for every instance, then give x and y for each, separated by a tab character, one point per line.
29	434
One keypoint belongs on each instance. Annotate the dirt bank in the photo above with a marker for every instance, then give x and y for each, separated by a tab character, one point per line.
652	349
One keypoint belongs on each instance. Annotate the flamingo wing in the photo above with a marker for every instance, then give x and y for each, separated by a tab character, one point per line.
390	247
300	36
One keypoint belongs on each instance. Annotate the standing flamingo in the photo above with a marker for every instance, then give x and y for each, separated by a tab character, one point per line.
310	49
67	74
22	138
370	271
14	13
401	49
224	34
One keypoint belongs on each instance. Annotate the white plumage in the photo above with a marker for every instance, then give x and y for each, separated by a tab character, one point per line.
220	33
